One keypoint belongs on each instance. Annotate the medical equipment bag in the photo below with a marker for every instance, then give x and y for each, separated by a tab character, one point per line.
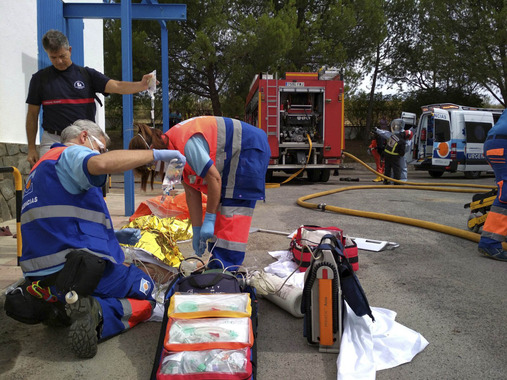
208	329
329	280
307	238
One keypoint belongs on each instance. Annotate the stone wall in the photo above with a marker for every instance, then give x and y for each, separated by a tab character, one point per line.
11	155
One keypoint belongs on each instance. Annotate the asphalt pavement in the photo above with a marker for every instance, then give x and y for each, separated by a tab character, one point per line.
437	284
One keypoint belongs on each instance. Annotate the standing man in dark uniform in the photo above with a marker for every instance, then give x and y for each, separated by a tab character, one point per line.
67	93
394	149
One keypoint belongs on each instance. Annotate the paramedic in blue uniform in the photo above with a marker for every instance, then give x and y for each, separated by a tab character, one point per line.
227	160
494	231
66	93
63	210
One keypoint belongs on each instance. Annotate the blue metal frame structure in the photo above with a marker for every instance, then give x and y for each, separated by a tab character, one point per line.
68	18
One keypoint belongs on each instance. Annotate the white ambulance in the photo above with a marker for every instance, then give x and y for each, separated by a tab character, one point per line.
450	138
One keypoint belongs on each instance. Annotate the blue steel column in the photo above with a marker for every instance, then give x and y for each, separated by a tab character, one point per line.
75	30
165	75
128	112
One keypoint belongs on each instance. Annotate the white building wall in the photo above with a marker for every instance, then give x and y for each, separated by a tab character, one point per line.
18	50
18	59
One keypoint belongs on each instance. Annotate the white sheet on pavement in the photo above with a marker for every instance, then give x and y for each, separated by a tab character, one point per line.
369	346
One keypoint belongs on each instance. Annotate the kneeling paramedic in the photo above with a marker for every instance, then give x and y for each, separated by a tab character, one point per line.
67	229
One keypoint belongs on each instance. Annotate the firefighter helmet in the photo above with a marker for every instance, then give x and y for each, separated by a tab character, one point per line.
408	134
397	125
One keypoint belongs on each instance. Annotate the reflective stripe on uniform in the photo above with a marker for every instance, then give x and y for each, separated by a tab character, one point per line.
52	260
233	167
229	211
127	312
230	245
39	263
495	152
59	211
220	154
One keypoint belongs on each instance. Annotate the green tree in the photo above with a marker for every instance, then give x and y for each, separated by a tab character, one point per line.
452	47
479	31
215	53
385	106
145	59
417	98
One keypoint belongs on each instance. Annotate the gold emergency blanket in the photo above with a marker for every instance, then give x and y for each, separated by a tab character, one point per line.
159	237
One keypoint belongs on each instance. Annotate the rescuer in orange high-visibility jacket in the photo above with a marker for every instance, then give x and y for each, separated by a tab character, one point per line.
494	231
227	160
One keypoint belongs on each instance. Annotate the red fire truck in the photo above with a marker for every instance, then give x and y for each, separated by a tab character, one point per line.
303	116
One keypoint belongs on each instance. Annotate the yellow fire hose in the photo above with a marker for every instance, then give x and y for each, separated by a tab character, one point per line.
273	185
468	188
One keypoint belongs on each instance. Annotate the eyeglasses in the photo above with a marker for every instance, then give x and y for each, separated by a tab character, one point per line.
102	147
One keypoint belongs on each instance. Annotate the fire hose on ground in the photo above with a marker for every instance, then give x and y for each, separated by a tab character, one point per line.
429	186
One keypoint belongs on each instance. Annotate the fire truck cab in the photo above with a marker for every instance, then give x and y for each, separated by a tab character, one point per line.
302	114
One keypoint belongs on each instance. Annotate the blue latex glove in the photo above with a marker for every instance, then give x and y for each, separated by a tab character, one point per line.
196	240
208	226
167	155
128	236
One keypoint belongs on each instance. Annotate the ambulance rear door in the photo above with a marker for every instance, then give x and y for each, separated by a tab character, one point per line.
411	125
441	138
410	119
477	126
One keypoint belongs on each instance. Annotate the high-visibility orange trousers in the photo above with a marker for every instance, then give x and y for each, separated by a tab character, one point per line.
232	228
494	231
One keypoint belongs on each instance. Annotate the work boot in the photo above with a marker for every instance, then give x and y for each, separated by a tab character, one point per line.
494	253
85	315
378	179
57	316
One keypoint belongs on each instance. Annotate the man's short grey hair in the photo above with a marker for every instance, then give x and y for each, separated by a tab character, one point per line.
54	40
75	129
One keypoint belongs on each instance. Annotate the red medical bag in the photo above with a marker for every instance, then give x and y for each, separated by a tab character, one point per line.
307	238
